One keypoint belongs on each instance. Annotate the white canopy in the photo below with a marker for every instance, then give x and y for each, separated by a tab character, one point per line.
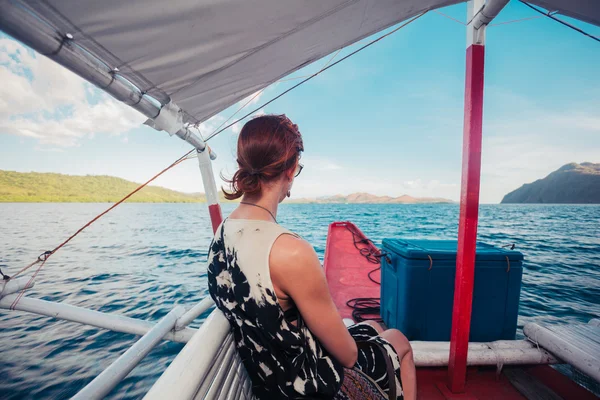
206	55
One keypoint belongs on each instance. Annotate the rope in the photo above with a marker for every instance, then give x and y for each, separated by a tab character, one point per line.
293	78
315	74
497	356
449	17
362	307
560	21
47	254
330	60
490	25
261	91
371	253
367	308
22	292
239	109
517	20
42	257
511	246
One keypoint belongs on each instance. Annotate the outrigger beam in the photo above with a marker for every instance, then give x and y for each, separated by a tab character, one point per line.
118	370
15	285
116	323
112	322
479	14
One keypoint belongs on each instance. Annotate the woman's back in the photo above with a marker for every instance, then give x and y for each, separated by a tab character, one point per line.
257	269
282	359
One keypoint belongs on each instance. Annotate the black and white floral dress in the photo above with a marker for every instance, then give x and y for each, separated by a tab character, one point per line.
282	360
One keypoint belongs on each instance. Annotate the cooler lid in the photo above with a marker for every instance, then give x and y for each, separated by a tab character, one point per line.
421	249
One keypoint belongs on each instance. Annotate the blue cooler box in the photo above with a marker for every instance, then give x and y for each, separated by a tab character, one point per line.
417	289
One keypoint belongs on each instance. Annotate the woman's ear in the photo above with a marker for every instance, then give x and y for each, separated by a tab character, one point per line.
289	174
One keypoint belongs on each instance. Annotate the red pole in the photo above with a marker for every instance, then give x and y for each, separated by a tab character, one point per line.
210	187
216	217
469	209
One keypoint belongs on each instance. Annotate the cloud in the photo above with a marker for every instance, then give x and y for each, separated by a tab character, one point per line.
254	98
49	149
211	125
528	142
236	128
219	121
42	100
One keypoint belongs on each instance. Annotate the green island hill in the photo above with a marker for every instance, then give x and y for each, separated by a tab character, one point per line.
36	187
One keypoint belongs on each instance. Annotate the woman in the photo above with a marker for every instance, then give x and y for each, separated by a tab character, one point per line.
270	285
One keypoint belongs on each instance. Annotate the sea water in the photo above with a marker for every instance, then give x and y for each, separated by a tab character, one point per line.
141	260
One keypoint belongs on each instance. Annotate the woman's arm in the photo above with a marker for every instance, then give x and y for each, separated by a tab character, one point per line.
296	271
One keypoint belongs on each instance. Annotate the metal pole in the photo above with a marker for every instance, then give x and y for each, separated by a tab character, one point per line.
574	345
184	376
487	13
19	21
117	371
67	312
22	23
15	285
194	312
469	204
210	188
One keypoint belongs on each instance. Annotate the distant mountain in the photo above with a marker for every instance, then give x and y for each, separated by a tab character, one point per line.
35	187
57	188
571	184
366	198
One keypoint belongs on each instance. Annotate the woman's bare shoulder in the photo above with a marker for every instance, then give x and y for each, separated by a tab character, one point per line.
293	257
289	248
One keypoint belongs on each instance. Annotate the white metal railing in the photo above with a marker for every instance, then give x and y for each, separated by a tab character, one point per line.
113	322
117	371
208	367
15	285
499	353
576	344
172	327
194	313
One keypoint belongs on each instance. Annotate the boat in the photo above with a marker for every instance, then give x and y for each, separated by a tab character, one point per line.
146	54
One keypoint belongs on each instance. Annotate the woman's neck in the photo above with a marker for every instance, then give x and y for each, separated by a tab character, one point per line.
267	201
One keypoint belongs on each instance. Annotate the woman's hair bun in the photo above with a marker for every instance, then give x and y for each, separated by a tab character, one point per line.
267	146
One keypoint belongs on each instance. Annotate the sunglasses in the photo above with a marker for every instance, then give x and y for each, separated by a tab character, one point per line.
298	170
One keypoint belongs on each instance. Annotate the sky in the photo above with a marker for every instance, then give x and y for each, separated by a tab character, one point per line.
387	121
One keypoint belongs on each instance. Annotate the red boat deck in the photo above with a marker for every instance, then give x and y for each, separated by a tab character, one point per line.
346	271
